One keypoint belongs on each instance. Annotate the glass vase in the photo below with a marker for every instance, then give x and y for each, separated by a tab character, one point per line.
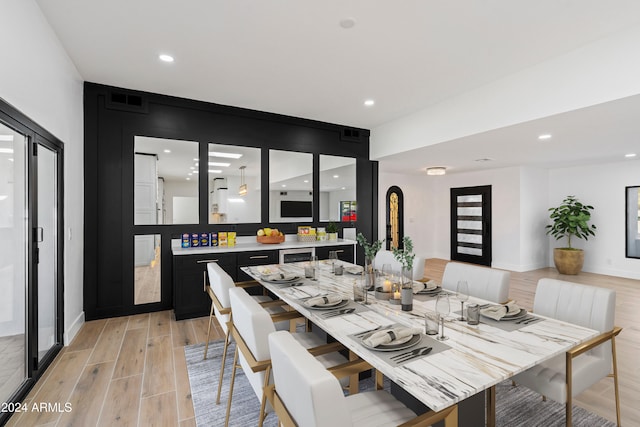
406	297
369	274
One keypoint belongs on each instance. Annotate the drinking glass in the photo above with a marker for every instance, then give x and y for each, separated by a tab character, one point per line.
462	293
333	257
443	308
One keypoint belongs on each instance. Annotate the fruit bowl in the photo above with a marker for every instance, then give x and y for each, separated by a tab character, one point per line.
270	239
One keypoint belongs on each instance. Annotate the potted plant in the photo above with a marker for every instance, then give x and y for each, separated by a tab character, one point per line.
570	219
405	257
332	231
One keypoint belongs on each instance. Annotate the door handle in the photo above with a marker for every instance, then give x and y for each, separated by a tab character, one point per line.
259	257
39	234
205	261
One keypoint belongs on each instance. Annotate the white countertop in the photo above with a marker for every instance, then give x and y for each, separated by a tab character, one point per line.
249	243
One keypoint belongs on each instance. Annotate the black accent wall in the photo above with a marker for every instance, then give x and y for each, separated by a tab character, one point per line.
114	116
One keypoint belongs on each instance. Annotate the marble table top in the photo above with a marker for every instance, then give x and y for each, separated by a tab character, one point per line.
479	356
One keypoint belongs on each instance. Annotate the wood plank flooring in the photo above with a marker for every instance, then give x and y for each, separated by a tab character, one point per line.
130	371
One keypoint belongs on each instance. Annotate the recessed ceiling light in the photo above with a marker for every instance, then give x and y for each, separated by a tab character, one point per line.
219	164
224	155
192	167
544	136
11	160
215	171
336	176
165	58
188	179
347	23
306	181
195	171
167	151
630	155
343	188
284	185
369	103
190	173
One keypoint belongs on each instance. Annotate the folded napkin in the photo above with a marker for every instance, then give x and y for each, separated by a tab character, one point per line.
497	312
280	276
324	300
427	286
387	336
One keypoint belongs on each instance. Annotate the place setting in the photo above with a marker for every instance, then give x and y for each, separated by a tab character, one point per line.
398	344
509	316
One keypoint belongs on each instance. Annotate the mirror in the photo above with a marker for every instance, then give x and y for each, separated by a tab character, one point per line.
633	222
338	189
234	184
147	269
166	181
290	186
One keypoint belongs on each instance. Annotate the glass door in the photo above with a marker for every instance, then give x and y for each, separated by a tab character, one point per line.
47	255
13	261
471	224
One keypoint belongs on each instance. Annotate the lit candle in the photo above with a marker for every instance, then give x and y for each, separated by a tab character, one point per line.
396	295
386	285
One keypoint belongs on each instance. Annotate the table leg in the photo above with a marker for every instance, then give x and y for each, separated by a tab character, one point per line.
491	406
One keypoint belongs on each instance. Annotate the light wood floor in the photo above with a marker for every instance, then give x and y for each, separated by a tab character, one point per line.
131	371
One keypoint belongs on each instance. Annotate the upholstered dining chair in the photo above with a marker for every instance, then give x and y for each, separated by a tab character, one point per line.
386	257
217	287
250	328
484	282
306	394
568	375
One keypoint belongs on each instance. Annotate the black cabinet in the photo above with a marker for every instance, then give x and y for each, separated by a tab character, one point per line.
246	259
189	297
345	252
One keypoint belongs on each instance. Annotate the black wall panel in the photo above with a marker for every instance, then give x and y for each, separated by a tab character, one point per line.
111	122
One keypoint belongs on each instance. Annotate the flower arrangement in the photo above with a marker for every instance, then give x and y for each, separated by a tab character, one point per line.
370	249
405	255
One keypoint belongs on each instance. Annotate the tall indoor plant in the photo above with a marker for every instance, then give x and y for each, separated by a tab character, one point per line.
570	219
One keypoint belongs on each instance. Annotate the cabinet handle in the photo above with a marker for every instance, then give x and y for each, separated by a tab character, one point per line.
205	261
339	251
259	257
204	280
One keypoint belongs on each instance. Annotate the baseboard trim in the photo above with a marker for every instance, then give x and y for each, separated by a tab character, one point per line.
73	330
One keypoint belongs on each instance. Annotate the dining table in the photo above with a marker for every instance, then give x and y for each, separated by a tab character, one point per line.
436	373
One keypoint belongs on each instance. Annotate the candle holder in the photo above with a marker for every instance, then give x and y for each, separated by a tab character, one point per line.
396	293
382	294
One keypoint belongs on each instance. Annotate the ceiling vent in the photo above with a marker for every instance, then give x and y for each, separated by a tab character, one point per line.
126	101
283	193
351	135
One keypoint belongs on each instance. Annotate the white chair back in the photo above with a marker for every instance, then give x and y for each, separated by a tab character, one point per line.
386	257
220	283
583	305
484	282
311	394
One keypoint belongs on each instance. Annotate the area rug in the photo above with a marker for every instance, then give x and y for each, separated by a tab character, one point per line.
515	406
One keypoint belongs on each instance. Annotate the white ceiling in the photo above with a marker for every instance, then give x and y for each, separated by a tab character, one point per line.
293	57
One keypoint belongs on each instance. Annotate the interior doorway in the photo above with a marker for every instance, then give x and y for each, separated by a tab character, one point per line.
394	216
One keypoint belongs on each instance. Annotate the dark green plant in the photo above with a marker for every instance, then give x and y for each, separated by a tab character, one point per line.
405	255
332	227
370	249
571	219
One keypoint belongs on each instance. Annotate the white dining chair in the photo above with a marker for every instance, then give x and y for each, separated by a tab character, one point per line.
217	287
386	257
306	394
250	329
487	283
568	375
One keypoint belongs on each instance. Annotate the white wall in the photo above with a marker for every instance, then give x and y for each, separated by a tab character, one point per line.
44	84
603	187
534	214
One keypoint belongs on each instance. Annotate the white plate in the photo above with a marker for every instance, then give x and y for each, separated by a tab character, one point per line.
282	281
433	291
517	316
331	306
395	345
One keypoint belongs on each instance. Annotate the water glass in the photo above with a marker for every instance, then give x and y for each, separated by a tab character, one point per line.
333	257
473	314
431	322
443	308
360	290
462	292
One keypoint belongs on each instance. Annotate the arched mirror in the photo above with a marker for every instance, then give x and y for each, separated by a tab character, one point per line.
234	184
395	215
166	181
338	189
290	186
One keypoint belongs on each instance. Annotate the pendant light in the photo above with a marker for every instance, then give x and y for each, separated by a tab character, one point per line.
243	186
